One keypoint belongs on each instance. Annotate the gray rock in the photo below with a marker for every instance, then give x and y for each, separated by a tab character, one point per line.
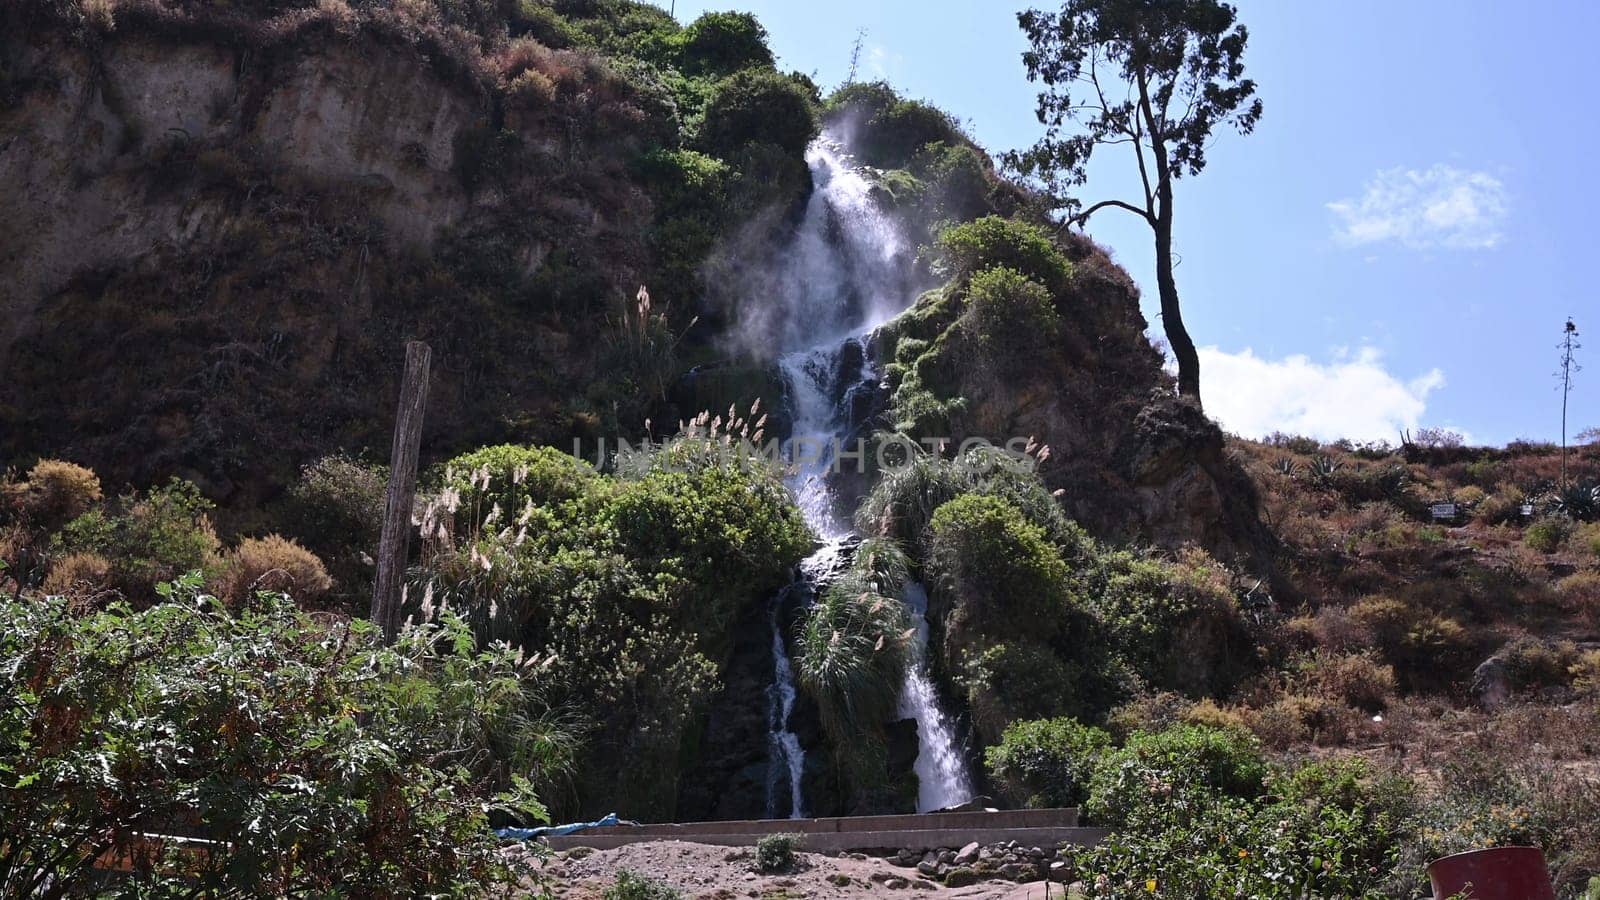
929	868
1491	683
969	854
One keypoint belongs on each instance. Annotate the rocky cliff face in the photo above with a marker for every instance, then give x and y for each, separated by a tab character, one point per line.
214	244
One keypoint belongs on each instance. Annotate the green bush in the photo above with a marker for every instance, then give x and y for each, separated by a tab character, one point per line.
509	478
337	504
852	655
326	762
775	852
888	130
1547	535
1047	762
1152	768
758	106
1001	568
1013	318
971	247
959	180
903	501
624	587
149	540
633	886
723	43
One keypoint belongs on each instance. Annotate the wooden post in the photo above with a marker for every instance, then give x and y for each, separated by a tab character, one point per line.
393	546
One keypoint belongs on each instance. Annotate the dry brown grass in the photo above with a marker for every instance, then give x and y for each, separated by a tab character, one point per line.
273	563
78	574
54	493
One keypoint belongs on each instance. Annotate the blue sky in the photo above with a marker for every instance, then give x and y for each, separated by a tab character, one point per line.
1398	244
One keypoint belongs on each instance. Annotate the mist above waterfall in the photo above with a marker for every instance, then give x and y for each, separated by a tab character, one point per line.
843	268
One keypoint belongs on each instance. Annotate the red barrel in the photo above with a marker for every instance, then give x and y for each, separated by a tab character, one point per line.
1504	873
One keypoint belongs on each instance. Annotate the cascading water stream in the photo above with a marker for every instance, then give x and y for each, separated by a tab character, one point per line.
842	277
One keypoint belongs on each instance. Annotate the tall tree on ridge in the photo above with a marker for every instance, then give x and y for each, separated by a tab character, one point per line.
1156	75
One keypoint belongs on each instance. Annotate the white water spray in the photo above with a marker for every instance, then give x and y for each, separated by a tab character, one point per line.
942	778
844	275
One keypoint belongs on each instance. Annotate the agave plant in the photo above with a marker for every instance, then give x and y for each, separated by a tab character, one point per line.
1324	467
1287	467
1579	502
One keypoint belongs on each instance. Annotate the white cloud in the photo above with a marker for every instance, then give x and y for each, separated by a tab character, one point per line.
1352	396
1441	207
882	62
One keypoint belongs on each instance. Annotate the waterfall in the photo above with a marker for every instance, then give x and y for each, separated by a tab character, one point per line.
843	275
942	778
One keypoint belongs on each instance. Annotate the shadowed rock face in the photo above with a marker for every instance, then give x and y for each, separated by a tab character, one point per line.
213	250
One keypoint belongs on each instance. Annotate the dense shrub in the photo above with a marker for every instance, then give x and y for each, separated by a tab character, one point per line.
1154	766
1354	679
1532	663
337	504
149	539
625	588
325	762
775	852
958	178
886	130
758	106
54	493
723	43
1580	593
77	574
969	248
502	481
272	563
1001	568
903	501
1013	318
1047	762
1321	831
631	885
1177	623
1547	535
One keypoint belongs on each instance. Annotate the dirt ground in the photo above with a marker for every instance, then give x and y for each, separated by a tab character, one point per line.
705	872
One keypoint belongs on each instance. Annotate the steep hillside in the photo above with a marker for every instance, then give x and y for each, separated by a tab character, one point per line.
224	220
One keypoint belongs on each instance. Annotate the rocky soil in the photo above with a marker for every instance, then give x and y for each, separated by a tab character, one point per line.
705	872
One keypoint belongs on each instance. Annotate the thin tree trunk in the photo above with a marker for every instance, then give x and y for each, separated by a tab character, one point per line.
396	539
1171	314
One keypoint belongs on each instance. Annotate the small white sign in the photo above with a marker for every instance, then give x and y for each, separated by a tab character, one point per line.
1527	509
1443	510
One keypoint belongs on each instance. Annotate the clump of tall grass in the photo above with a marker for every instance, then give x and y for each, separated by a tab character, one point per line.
903	502
855	645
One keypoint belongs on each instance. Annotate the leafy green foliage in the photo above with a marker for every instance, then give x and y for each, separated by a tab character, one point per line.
959	181
888	130
903	501
853	652
625	588
1182	70
723	43
1047	762
758	106
149	539
1003	567
324	761
971	247
631	885
1013	317
509	478
1153	765
775	852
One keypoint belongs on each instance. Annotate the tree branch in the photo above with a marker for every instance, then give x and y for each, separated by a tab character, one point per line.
1083	217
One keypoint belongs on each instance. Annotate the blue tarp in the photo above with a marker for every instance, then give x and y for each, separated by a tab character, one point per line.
527	834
